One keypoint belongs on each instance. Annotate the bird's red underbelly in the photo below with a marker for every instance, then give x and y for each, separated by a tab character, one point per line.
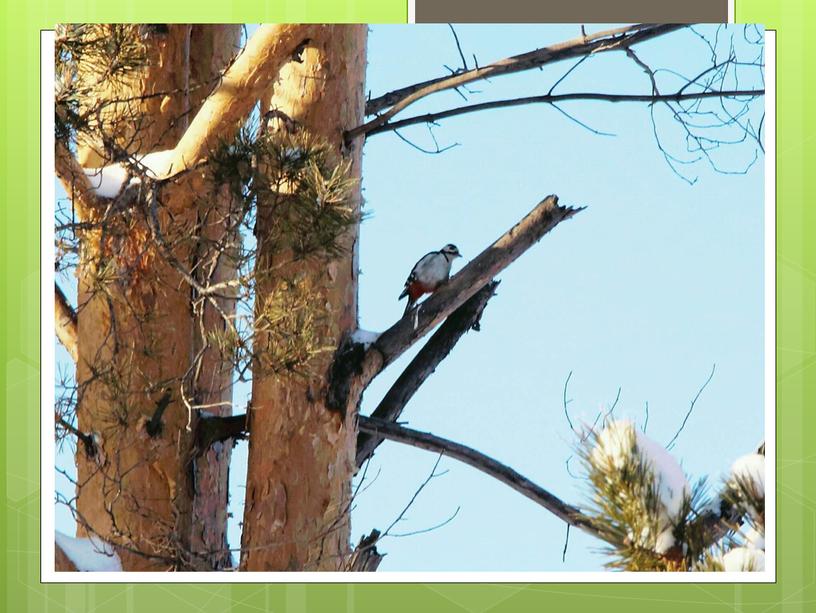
417	289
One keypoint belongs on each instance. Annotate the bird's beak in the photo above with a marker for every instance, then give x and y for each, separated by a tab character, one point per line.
458	255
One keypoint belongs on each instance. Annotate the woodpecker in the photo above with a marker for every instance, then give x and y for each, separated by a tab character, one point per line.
431	271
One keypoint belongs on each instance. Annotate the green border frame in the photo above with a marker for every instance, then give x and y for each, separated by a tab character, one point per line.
795	589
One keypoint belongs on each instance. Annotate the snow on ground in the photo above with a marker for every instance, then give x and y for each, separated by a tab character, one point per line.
89	554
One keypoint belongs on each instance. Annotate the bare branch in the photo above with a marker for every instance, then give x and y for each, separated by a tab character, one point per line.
458	46
66	323
465	318
554	99
476	459
607	40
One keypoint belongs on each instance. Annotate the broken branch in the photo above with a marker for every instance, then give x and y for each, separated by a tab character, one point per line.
87	440
353	368
213	429
154	425
365	557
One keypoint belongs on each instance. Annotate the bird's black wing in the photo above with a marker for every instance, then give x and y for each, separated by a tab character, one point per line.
412	277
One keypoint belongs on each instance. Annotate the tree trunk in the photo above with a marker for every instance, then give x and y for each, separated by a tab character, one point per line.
135	325
301	454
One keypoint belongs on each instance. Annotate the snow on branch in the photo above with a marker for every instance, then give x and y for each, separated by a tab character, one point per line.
643	505
110	181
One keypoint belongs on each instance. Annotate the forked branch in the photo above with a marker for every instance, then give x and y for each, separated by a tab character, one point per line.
465	318
607	40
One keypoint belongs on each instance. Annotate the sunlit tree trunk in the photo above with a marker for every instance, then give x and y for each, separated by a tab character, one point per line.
301	456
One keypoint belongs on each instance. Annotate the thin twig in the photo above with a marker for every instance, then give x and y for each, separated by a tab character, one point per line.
566	402
458	46
691	408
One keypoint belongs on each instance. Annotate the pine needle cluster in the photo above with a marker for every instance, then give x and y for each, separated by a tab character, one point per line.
642	506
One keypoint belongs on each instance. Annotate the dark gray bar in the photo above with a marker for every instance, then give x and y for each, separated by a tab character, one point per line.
571	11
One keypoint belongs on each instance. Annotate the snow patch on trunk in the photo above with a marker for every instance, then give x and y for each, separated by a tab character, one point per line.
109	181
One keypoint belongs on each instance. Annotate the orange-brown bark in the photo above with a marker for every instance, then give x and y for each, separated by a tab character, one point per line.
301	457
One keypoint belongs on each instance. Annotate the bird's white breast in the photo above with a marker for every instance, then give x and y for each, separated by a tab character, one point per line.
432	269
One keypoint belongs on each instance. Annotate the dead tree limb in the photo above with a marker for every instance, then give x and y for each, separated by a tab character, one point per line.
465	318
607	40
430	442
354	367
365	557
66	323
154	425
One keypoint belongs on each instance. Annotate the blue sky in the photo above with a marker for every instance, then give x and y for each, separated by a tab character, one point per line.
645	290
